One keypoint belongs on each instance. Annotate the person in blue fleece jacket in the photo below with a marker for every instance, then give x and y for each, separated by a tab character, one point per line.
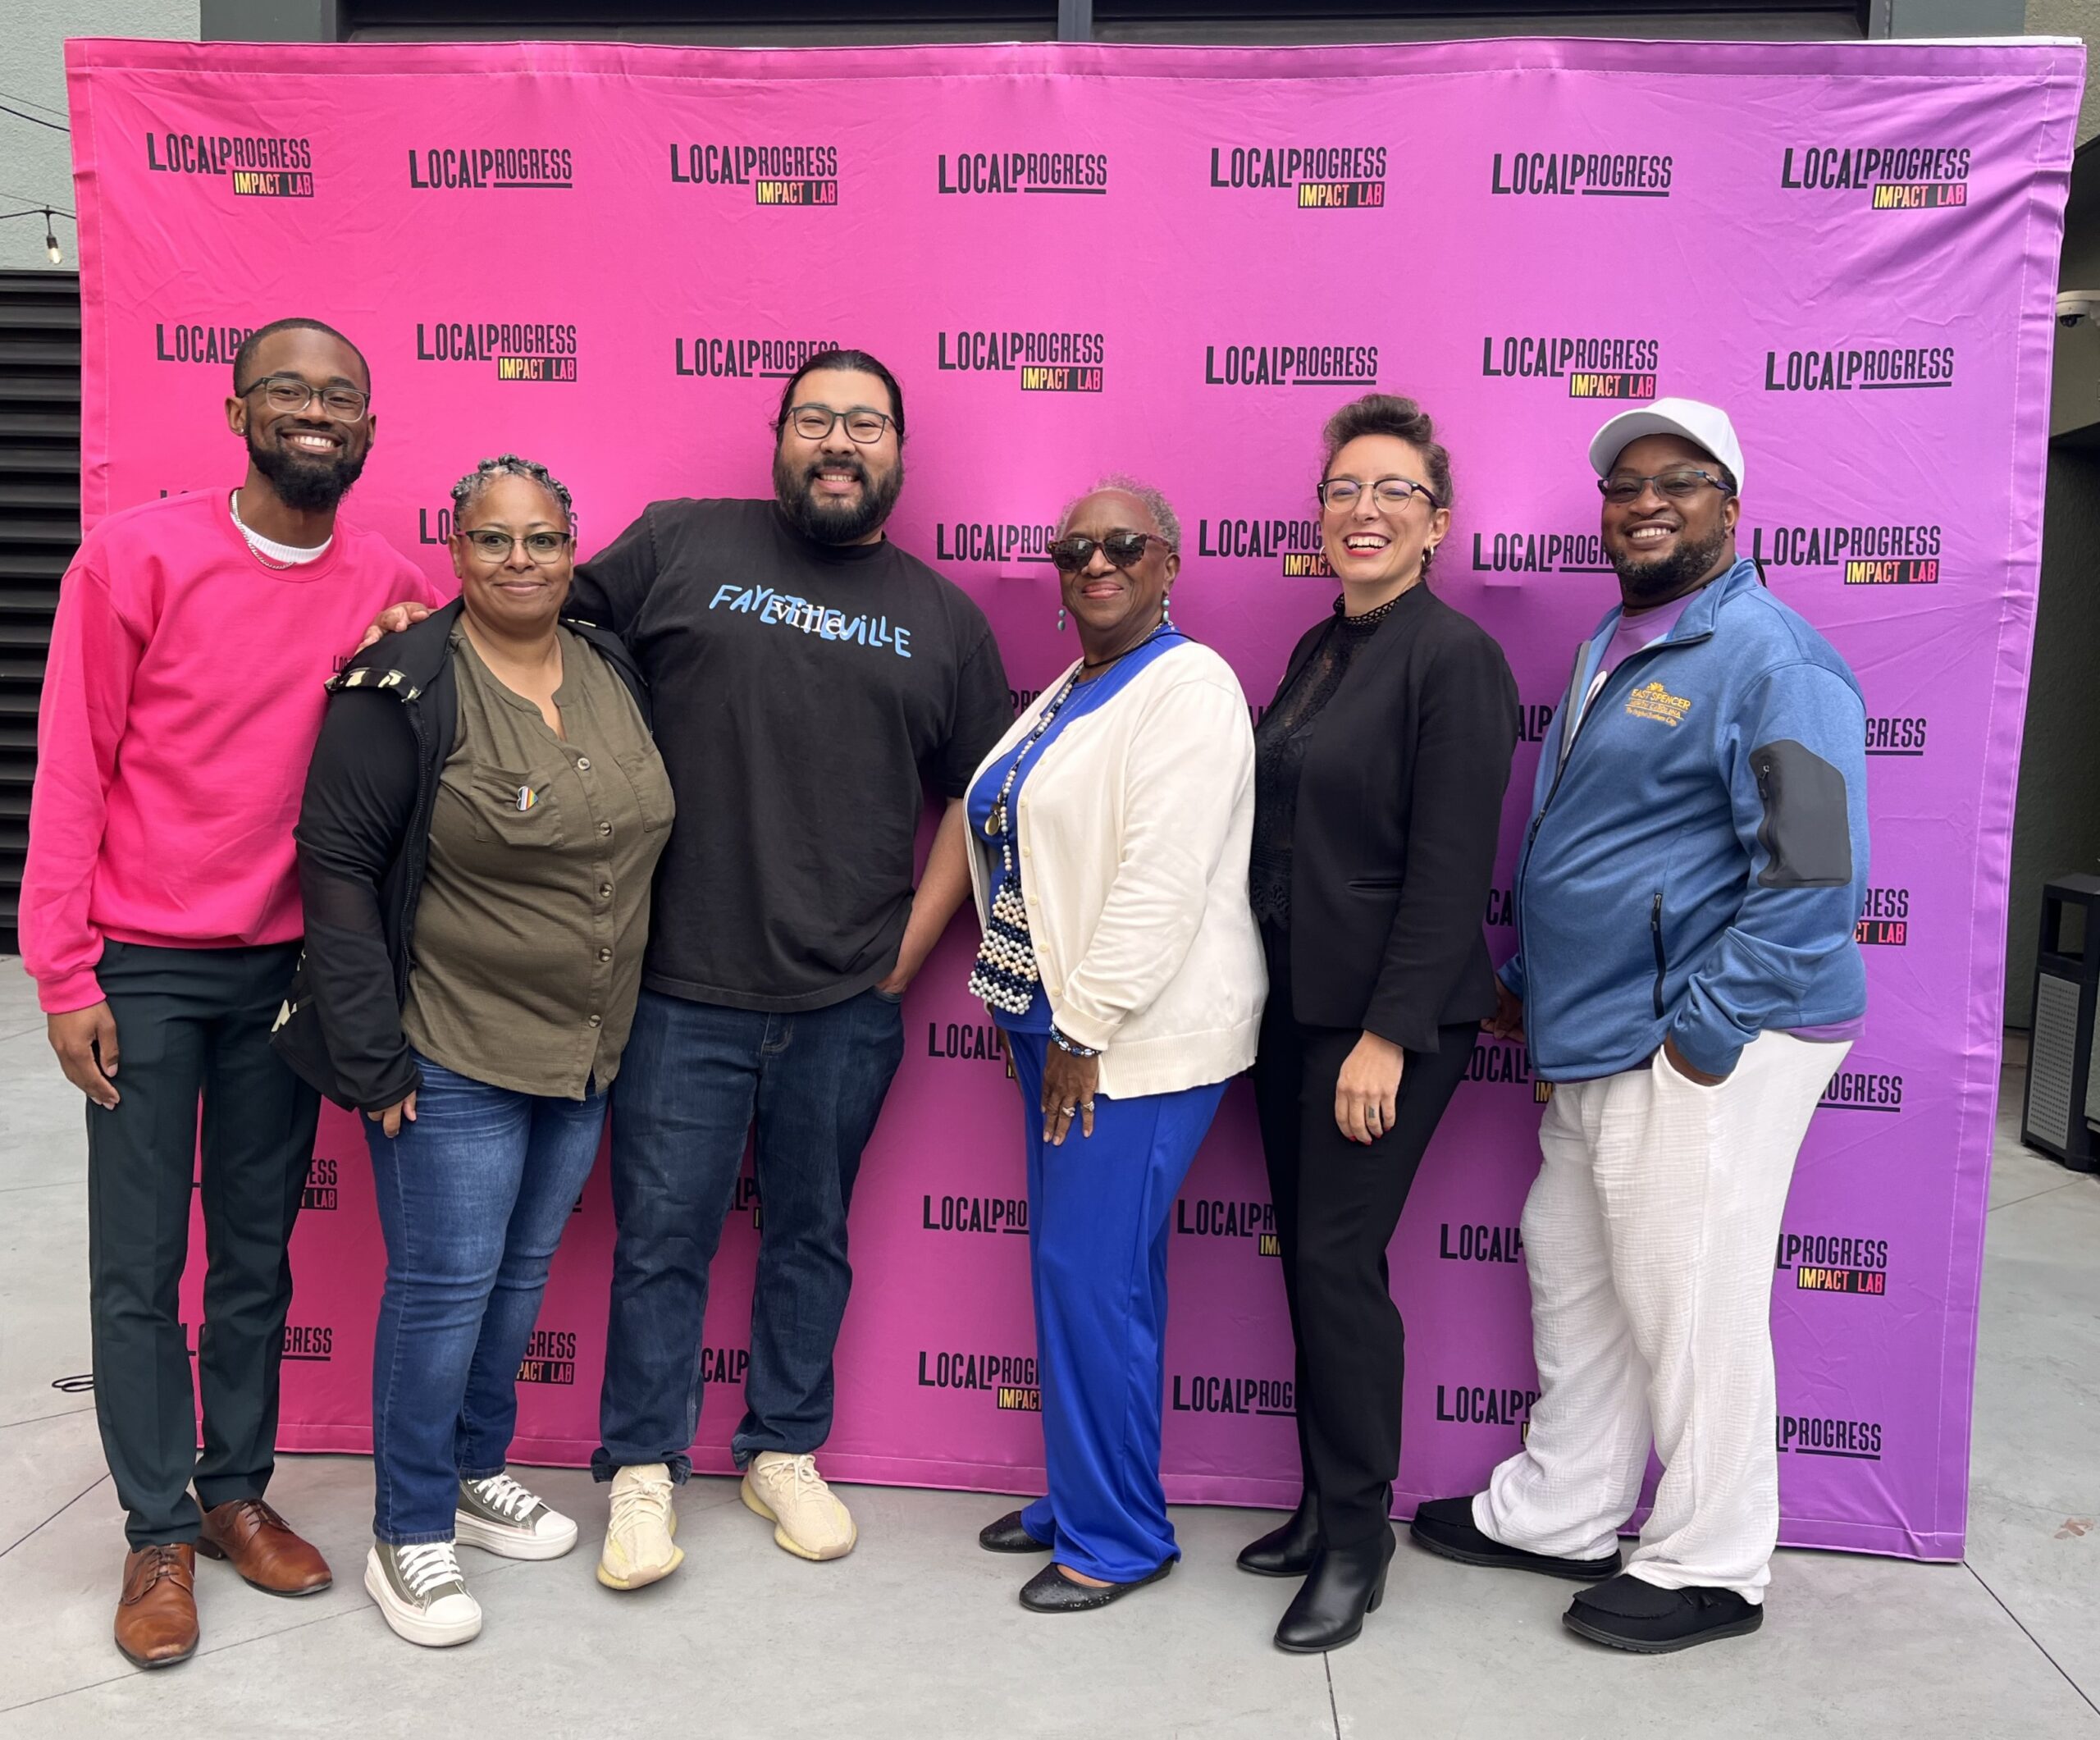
1687	976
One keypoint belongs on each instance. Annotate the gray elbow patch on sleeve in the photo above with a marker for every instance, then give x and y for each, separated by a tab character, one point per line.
1806	832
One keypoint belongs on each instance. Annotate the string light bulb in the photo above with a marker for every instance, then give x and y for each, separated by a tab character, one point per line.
51	240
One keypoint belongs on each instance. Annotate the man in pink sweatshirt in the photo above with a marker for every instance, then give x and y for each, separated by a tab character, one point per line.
160	918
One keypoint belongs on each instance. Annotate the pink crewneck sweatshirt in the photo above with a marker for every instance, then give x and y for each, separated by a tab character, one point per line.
180	709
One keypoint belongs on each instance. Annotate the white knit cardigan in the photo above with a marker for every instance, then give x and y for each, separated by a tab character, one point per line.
1133	828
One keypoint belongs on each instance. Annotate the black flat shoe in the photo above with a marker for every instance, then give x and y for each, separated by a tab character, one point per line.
1007	1535
1627	1613
1346	1584
1289	1550
1050	1590
1445	1527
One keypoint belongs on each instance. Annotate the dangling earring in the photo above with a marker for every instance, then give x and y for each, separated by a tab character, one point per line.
1428	555
1060	618
1166	598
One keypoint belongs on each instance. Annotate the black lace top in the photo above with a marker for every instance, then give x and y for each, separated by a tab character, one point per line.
1279	751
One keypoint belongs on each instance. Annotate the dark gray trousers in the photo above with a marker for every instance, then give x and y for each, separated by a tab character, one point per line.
193	1025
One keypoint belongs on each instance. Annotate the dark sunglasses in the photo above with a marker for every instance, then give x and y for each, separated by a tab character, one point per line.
1123	549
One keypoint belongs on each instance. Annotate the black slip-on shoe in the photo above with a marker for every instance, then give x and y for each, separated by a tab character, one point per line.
1288	1551
1629	1614
1445	1527
1050	1590
1007	1535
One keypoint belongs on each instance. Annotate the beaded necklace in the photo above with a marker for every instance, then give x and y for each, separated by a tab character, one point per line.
1005	975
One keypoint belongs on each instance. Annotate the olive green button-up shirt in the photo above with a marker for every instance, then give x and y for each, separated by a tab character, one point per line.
526	958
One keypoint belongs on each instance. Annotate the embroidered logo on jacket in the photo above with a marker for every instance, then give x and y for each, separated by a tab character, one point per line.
1654	701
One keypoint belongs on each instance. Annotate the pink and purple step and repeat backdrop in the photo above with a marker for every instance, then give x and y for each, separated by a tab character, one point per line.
1177	263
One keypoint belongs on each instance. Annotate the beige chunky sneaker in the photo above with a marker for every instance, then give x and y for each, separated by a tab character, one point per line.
807	1519
638	1545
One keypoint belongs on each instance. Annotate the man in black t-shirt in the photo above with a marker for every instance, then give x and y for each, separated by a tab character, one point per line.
810	680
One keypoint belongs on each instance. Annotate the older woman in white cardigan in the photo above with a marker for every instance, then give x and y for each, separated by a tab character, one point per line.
1110	832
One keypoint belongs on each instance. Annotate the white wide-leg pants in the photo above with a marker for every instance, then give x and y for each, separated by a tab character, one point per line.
1649	1236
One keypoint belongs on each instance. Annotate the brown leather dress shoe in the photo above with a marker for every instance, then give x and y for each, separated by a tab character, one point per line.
156	1618
260	1545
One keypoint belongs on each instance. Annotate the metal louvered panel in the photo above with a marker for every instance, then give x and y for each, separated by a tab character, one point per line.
2052	1059
39	528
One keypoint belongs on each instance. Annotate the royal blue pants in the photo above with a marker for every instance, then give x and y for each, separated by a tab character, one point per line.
1097	1214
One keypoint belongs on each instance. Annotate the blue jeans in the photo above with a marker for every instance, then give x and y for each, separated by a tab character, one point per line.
473	1198
694	1079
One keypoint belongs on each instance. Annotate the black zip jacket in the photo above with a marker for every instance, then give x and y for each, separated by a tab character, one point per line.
363	838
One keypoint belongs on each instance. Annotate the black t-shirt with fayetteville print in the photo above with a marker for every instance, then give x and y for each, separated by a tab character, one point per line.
805	696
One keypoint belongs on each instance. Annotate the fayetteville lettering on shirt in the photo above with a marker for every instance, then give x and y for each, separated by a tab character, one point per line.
805	696
179	707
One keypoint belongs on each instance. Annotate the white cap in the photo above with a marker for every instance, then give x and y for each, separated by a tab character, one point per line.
1703	425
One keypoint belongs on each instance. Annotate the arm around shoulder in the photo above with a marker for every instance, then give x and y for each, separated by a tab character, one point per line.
611	588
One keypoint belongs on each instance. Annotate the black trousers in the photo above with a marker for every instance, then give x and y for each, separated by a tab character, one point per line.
1337	1204
193	1024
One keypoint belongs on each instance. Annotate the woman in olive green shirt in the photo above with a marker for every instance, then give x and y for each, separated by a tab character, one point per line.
482	821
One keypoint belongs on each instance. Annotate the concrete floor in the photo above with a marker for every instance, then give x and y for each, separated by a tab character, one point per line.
917	1633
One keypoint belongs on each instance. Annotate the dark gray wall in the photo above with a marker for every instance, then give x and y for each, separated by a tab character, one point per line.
2057	827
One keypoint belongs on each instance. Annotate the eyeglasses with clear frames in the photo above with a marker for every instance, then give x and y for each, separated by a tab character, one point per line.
492	546
288	394
864	428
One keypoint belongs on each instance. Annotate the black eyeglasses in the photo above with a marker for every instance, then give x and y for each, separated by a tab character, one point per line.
1124	550
813	422
1388	492
287	394
493	546
1679	484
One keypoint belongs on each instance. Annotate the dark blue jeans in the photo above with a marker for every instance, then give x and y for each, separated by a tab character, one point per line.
473	1198
693	1080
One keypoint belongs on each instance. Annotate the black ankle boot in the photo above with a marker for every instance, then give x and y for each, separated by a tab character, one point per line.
1346	1583
1288	1551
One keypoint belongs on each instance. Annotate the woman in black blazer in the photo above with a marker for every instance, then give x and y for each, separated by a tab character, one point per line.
1380	769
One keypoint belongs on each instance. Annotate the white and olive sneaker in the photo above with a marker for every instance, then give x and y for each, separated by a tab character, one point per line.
807	1519
638	1545
500	1517
420	1594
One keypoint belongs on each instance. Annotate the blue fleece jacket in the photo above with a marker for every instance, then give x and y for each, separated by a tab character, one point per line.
1697	853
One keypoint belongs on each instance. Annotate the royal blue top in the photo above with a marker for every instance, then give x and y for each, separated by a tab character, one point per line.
984	791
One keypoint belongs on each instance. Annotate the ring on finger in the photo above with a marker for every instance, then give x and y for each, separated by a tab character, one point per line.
1066	1111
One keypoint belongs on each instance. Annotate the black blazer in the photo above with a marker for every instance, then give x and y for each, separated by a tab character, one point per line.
363	838
1399	807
